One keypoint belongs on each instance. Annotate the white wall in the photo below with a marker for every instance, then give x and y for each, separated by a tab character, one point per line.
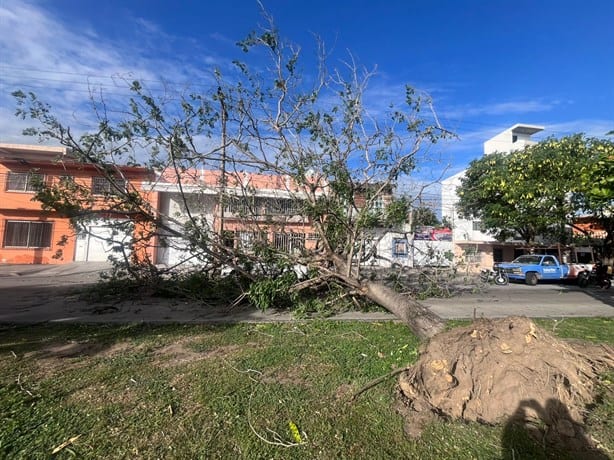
174	250
462	229
515	138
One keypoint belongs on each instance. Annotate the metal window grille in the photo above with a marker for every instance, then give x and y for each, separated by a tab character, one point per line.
282	206
23	182
238	205
103	186
247	239
289	242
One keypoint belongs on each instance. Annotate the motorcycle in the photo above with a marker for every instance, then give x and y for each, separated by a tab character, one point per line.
598	275
495	274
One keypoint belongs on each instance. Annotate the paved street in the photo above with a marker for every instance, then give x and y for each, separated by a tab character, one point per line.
35	293
549	300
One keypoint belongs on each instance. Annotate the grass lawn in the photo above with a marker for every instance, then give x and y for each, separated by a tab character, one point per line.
235	391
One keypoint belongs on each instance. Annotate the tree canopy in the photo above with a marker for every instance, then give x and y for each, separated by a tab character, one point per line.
424	216
540	190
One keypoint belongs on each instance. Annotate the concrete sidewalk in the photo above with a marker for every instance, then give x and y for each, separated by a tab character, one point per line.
51	271
37	293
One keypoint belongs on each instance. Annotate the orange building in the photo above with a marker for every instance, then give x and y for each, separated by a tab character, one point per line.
31	235
257	208
588	226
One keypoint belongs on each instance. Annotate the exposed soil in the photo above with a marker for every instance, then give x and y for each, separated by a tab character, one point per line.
505	370
179	353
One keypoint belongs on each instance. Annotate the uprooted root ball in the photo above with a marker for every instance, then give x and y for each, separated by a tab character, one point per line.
494	371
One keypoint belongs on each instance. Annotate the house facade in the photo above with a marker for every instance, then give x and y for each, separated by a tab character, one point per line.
31	235
246	208
473	248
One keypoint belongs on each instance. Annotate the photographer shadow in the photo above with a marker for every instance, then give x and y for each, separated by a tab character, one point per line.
541	432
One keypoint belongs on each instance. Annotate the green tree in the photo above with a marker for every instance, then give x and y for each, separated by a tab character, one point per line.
424	216
596	195
268	120
542	189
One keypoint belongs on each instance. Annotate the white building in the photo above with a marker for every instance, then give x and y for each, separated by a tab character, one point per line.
471	245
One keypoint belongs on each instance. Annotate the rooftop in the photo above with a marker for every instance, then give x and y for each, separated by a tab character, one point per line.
526	129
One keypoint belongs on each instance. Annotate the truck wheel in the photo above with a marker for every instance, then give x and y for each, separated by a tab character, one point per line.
583	279
531	279
501	279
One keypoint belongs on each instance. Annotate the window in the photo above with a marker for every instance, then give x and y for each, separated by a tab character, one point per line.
378	203
24	182
238	205
66	180
289	242
247	239
472	255
477	226
282	206
514	138
27	234
549	261
104	186
528	260
400	247
229	238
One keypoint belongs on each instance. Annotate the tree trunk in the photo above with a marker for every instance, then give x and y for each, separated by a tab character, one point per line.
422	321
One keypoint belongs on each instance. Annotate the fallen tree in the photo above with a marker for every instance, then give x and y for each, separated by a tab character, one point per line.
338	165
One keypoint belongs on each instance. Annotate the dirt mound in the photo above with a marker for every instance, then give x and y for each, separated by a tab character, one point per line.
494	371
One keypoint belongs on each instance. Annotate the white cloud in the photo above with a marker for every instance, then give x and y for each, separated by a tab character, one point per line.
590	127
500	108
39	52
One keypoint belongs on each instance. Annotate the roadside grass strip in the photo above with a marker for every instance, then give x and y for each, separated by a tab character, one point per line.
235	391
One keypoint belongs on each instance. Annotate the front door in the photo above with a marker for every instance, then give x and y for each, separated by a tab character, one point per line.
551	270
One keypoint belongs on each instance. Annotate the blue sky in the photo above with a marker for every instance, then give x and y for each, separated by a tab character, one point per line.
486	64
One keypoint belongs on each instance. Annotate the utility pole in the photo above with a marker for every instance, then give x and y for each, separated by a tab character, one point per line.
222	193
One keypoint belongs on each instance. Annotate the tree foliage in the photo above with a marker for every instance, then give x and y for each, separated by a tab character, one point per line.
542	189
424	216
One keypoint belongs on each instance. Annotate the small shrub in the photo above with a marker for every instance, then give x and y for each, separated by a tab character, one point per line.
273	292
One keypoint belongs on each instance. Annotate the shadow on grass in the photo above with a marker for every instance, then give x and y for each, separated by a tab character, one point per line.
536	431
86	340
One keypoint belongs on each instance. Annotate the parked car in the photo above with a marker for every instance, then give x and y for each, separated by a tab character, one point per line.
534	267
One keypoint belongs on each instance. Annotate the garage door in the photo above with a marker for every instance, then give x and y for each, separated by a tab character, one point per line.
100	240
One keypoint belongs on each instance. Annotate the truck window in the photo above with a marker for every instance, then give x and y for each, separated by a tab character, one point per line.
548	261
527	260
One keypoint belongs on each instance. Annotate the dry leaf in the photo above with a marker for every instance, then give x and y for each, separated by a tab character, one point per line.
65	444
